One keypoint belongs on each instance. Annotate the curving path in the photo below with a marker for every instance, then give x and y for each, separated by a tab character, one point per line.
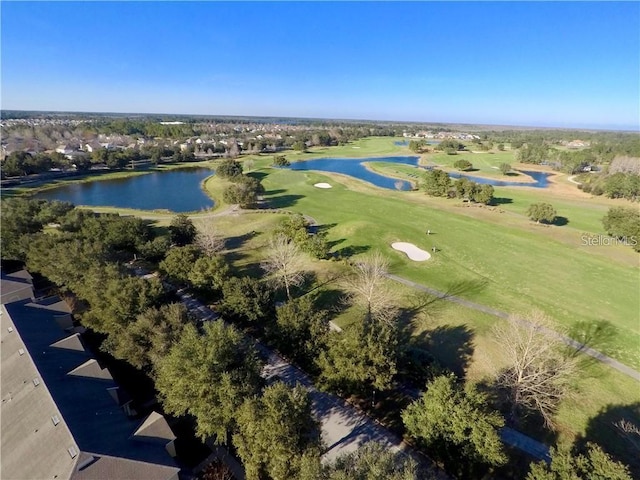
344	428
601	357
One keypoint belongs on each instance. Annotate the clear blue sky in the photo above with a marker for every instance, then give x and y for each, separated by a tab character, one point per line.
545	64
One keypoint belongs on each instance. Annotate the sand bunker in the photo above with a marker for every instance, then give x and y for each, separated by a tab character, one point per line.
322	185
413	252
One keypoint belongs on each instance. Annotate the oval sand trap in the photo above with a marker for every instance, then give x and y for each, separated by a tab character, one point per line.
413	252
322	185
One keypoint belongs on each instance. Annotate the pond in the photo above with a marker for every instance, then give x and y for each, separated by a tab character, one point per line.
541	180
175	190
354	168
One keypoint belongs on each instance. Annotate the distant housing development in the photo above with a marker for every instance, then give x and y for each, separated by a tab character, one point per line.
63	416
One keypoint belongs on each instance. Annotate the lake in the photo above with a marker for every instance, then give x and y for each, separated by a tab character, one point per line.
354	168
175	190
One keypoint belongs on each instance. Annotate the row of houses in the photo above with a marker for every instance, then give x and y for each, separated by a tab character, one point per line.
62	415
441	135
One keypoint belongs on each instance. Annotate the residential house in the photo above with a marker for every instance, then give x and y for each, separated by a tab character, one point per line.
62	414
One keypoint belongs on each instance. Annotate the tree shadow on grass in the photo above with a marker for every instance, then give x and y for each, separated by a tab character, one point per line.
283	201
451	345
616	428
274	192
258	175
501	201
351	250
463	287
599	335
238	241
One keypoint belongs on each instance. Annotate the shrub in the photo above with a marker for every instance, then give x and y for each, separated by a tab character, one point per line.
463	164
542	212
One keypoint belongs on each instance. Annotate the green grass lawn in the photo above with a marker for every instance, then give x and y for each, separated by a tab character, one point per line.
485	164
496	259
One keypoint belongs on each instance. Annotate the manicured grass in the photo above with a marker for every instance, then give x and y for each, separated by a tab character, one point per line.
584	214
505	262
484	164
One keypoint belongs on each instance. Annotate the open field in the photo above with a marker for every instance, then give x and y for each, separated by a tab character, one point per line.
498	259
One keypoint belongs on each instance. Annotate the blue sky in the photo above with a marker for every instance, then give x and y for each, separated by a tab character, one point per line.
568	64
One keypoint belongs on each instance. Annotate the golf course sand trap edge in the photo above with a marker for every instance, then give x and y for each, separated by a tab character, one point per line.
322	185
414	253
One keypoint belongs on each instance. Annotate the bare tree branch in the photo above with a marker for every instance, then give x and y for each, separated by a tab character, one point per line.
208	239
538	374
368	287
285	262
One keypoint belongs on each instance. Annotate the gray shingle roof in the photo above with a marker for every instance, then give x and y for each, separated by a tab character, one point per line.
89	419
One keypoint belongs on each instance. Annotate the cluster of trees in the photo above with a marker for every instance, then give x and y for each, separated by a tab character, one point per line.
450	146
438	184
573	161
418	146
473	191
22	163
535	152
296	229
244	189
624	223
617	185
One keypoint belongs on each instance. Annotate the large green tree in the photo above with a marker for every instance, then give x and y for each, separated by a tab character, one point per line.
209	376
624	223
594	464
374	461
146	340
208	274
182	231
362	358
541	212
301	330
246	299
436	183
116	299
179	263
274	431
456	425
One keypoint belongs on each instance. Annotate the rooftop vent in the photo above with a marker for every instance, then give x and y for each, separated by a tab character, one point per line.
10	329
36	382
73	452
21	351
55	419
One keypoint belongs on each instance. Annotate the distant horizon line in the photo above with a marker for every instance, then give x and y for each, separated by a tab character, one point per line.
609	128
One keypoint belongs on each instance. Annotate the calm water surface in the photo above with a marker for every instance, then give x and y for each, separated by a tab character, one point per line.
174	190
354	167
